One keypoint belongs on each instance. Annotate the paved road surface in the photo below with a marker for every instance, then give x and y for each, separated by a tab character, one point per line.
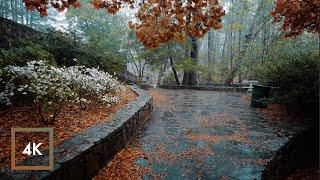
205	135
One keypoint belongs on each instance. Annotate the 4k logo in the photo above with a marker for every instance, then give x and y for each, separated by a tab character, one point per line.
35	149
32	149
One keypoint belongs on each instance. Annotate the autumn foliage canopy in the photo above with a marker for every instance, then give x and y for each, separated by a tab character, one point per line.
297	16
160	21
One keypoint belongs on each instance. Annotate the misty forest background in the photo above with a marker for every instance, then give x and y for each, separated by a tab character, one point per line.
250	46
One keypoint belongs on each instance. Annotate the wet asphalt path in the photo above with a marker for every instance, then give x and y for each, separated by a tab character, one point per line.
208	135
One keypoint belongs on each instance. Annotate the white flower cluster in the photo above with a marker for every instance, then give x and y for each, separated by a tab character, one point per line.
5	96
90	80
108	99
48	83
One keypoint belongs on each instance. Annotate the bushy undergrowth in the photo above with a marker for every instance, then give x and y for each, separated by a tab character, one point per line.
49	88
20	55
169	80
62	50
296	75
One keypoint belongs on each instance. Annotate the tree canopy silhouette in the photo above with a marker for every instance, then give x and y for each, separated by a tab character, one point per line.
160	21
297	16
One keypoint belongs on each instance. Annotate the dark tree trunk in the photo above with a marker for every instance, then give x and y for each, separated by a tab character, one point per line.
174	72
319	43
185	80
190	78
193	78
194	56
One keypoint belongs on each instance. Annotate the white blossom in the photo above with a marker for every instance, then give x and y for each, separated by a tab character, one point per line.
49	83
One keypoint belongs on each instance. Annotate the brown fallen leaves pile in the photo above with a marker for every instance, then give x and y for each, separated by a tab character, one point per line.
160	99
275	111
69	122
306	174
218	119
246	98
123	165
194	153
280	113
216	138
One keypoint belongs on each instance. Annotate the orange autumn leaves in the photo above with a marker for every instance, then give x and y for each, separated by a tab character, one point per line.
166	20
42	5
161	21
112	6
297	16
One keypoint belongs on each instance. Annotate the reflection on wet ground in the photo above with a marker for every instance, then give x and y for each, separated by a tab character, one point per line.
205	135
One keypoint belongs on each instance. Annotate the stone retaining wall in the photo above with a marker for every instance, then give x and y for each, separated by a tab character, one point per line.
208	88
85	154
12	30
300	152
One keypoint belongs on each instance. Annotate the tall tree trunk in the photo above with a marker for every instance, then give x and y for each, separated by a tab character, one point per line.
209	58
230	77
16	10
240	47
31	19
193	55
264	41
12	10
6	5
160	76
2	8
319	43
185	80
213	51
174	72
222	56
162	69
24	15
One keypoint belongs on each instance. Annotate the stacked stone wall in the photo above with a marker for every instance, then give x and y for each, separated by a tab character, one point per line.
12	30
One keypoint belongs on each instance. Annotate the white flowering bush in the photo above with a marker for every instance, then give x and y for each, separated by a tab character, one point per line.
49	87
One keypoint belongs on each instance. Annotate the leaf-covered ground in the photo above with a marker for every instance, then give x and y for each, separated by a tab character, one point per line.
69	122
201	135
